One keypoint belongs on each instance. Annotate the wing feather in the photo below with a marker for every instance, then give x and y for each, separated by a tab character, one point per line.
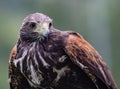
16	79
88	59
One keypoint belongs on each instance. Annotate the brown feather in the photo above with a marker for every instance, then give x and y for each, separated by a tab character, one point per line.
89	60
16	79
13	53
55	60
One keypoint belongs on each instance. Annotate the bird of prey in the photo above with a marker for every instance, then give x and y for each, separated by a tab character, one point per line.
47	58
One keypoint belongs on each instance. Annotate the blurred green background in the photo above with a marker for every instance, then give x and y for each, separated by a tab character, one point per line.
97	20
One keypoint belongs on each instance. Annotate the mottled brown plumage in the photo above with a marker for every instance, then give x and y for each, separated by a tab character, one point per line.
88	59
47	58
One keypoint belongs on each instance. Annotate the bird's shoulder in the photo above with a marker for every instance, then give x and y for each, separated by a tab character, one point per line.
84	55
13	52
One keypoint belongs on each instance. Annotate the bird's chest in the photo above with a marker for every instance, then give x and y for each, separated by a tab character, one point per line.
42	65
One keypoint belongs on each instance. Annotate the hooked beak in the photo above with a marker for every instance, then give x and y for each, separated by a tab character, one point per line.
42	29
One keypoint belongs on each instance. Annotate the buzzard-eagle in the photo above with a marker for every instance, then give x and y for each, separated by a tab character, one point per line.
47	58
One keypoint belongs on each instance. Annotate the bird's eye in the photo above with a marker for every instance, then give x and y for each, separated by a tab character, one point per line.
32	25
50	24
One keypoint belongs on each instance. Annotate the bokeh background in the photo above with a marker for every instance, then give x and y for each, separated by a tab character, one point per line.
97	20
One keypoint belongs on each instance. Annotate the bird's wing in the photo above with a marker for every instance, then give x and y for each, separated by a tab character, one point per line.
88	59
13	53
16	79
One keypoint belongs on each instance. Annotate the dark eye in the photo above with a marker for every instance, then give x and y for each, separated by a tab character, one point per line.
50	24
32	24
